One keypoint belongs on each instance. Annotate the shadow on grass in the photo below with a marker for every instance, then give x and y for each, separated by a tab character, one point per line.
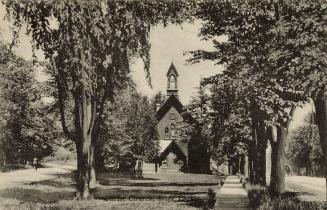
35	195
153	184
60	181
187	189
143	193
12	167
198	199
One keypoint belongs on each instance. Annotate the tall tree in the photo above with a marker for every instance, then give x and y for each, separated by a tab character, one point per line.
130	131
90	44
250	27
25	132
197	131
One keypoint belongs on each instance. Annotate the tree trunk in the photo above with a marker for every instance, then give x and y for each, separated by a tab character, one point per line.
321	117
259	145
84	119
250	165
262	146
277	177
86	177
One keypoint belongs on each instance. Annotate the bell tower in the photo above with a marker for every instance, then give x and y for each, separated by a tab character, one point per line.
172	75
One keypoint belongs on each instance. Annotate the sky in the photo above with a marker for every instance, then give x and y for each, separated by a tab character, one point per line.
168	44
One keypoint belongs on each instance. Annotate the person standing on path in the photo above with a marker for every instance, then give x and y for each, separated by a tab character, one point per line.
35	163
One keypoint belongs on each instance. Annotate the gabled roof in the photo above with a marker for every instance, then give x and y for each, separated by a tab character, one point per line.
172	101
163	144
172	70
178	148
183	147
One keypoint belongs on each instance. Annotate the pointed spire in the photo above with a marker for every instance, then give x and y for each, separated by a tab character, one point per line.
172	74
172	70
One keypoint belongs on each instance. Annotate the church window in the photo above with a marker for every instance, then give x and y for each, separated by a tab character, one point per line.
172	128
172	82
166	131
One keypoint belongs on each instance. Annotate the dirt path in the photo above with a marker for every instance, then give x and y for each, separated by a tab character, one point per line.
25	176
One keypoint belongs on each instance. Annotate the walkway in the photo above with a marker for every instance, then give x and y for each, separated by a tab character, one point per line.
232	196
26	176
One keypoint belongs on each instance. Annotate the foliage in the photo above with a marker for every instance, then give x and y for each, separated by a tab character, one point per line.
290	204
197	115
260	199
231	127
303	148
90	45
28	123
130	129
197	132
145	204
61	153
158	99
257	194
247	54
270	55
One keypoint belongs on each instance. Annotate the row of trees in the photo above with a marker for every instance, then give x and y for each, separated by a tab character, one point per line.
274	61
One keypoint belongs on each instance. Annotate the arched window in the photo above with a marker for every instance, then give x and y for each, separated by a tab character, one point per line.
172	129
166	131
172	82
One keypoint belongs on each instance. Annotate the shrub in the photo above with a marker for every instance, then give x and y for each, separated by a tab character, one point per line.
289	204
256	194
260	199
61	154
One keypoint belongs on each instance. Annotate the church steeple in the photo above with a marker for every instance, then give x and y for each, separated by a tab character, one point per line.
172	74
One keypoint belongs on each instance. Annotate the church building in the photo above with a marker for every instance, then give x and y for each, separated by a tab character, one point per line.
176	154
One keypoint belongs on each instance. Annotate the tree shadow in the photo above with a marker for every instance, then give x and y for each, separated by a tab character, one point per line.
35	195
198	199
190	191
119	192
153	184
59	181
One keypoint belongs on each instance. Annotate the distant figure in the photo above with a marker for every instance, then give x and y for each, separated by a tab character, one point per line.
35	163
138	168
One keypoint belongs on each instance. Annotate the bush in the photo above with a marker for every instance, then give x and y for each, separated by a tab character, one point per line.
61	154
289	204
256	194
260	199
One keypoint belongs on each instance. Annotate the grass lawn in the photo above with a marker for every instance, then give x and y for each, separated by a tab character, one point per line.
96	204
155	191
11	167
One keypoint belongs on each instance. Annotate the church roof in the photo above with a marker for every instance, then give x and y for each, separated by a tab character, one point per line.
169	145
172	70
183	147
163	144
172	101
